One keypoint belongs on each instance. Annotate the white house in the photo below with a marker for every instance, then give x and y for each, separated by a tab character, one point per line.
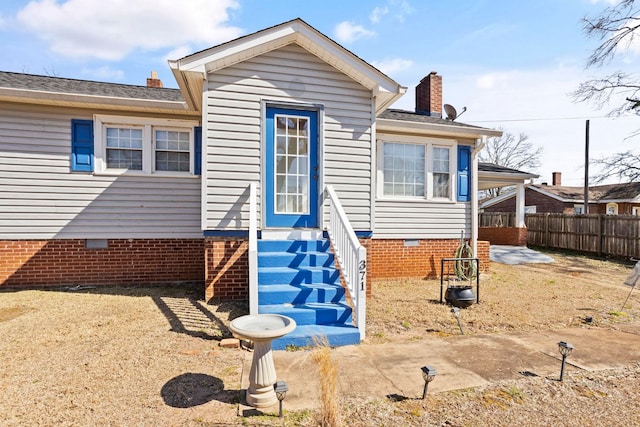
274	143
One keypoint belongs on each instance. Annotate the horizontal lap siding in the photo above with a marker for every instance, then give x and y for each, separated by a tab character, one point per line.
41	199
233	143
421	220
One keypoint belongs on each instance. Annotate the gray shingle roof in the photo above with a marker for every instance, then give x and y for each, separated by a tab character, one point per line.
409	116
626	191
490	167
85	87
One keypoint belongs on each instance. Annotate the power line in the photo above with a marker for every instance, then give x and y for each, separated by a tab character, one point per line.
542	119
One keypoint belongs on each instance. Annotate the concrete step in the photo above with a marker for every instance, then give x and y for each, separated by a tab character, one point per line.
293	245
295	259
300	294
312	335
297	276
311	313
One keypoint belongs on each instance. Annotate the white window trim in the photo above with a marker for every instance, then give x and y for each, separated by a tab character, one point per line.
429	143
148	125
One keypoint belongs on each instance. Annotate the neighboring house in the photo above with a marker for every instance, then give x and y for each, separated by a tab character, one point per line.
106	183
611	199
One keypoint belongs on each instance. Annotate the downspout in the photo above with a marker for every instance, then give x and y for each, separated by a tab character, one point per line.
480	143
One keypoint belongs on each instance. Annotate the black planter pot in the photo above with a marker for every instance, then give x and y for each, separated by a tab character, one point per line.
460	296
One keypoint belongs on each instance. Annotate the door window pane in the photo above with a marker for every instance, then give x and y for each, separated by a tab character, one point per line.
292	165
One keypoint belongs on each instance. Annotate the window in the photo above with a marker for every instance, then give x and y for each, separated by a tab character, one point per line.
441	176
404	170
143	145
124	148
578	209
172	150
612	209
416	168
635	210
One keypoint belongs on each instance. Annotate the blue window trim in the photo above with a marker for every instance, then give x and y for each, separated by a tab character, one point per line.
82	145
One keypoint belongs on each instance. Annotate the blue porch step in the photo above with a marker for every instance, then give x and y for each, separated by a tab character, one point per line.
298	278
300	294
312	335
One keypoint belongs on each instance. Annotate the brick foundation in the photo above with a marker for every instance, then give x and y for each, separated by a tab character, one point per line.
390	258
504	235
226	268
40	263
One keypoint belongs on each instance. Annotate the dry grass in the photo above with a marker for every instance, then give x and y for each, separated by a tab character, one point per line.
512	298
149	356
329	413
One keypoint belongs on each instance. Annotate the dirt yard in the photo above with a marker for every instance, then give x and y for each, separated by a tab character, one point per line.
150	356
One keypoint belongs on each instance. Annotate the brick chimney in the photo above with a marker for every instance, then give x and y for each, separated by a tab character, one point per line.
154	81
556	179
429	95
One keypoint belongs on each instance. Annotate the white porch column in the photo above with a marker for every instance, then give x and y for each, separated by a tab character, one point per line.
480	143
520	205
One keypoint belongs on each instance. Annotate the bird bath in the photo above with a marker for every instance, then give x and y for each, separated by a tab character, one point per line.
262	329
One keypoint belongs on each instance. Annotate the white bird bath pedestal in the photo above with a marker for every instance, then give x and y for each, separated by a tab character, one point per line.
262	329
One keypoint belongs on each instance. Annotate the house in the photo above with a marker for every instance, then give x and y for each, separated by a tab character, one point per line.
273	142
610	199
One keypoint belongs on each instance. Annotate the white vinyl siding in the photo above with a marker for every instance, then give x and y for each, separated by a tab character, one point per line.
41	199
232	142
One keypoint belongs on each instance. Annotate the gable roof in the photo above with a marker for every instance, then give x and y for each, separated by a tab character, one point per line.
191	71
47	90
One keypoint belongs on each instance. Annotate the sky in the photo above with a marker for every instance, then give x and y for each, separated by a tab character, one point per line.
512	64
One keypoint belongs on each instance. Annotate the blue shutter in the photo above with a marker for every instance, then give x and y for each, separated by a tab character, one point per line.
197	150
464	173
82	145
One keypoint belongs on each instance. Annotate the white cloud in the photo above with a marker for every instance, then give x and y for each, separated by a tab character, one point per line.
401	9
103	73
393	65
377	13
347	32
110	30
178	52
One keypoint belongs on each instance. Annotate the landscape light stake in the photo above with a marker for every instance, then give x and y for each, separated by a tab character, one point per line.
565	350
428	374
281	389
456	314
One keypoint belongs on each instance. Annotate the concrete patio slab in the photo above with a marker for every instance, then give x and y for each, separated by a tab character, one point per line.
514	255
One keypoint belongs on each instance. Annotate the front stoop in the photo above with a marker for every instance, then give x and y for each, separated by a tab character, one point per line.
298	278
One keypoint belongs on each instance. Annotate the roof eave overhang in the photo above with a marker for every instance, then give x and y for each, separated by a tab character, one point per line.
419	128
191	71
488	180
73	100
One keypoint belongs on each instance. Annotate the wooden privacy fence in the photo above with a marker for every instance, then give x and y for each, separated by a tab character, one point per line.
602	234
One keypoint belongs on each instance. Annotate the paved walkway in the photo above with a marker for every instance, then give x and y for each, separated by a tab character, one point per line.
380	370
513	255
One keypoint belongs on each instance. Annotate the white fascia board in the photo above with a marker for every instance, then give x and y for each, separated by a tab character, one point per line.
402	126
296	31
85	100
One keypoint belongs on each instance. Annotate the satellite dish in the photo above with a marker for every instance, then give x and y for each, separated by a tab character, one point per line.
451	112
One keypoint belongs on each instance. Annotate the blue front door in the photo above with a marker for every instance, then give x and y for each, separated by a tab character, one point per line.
291	187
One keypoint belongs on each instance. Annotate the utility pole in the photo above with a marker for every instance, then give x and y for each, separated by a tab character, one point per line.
585	210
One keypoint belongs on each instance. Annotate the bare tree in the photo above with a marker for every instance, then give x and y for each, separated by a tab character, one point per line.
511	152
623	166
616	29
